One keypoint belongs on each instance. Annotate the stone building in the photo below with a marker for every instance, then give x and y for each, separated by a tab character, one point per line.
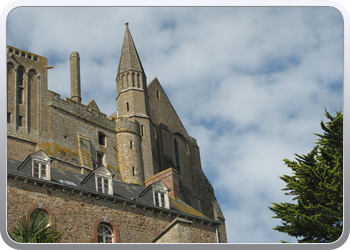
133	176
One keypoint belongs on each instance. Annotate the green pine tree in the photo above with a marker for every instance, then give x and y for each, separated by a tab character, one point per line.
317	184
35	228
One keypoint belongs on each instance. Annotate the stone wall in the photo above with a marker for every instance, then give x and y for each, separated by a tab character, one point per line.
76	215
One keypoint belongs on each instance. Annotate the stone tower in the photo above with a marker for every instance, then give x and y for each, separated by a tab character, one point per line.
129	151
133	100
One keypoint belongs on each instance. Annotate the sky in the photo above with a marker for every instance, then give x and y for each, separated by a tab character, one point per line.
251	84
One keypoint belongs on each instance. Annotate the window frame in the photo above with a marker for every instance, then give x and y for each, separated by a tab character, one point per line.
157	199
100	155
104	178
41	163
104	236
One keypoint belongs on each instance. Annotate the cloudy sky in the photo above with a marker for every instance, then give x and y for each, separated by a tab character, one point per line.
250	84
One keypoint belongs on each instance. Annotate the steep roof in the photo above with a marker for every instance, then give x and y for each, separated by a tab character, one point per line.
129	58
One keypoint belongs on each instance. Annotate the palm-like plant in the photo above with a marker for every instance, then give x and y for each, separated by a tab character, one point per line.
35	228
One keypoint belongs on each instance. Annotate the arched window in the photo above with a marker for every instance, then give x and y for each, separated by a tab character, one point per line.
104	233
20	86
177	158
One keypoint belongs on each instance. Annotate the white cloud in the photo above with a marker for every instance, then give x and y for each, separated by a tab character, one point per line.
250	84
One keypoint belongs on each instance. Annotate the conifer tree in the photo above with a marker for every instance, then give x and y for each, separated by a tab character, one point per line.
317	184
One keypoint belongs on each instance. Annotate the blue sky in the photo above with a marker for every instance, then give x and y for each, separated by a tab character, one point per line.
250	84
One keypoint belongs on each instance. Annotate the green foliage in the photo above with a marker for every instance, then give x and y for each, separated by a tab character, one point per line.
35	229
317	184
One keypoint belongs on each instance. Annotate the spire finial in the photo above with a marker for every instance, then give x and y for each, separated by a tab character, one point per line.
126	23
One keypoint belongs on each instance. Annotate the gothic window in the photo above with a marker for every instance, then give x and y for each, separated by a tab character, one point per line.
40	169
20	95
104	234
177	158
20	86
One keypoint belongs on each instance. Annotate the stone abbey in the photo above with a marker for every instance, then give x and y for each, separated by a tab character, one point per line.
134	176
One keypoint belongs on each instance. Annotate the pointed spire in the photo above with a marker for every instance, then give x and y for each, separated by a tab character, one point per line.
129	58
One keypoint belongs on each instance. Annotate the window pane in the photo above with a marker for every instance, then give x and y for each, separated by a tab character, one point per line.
43	171
36	169
99	184
156	197
100	239
105	185
109	240
162	200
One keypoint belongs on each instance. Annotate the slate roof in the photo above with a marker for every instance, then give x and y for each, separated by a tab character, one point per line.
122	192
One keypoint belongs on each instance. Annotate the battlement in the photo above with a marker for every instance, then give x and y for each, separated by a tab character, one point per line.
15	52
80	110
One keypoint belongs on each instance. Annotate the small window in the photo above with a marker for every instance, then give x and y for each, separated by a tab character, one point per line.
141	130
104	234
8	117
157	94
130	144
100	157
104	184
102	139
40	169
127	106
133	170
20	121
161	198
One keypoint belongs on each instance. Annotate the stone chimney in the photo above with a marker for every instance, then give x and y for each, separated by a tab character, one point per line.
75	76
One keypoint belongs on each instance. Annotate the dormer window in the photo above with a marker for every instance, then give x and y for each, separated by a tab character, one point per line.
103	184
40	169
160	195
159	198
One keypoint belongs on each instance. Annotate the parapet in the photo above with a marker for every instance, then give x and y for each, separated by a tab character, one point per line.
80	110
123	124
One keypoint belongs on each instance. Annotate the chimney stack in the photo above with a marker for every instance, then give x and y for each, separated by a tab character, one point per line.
75	76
